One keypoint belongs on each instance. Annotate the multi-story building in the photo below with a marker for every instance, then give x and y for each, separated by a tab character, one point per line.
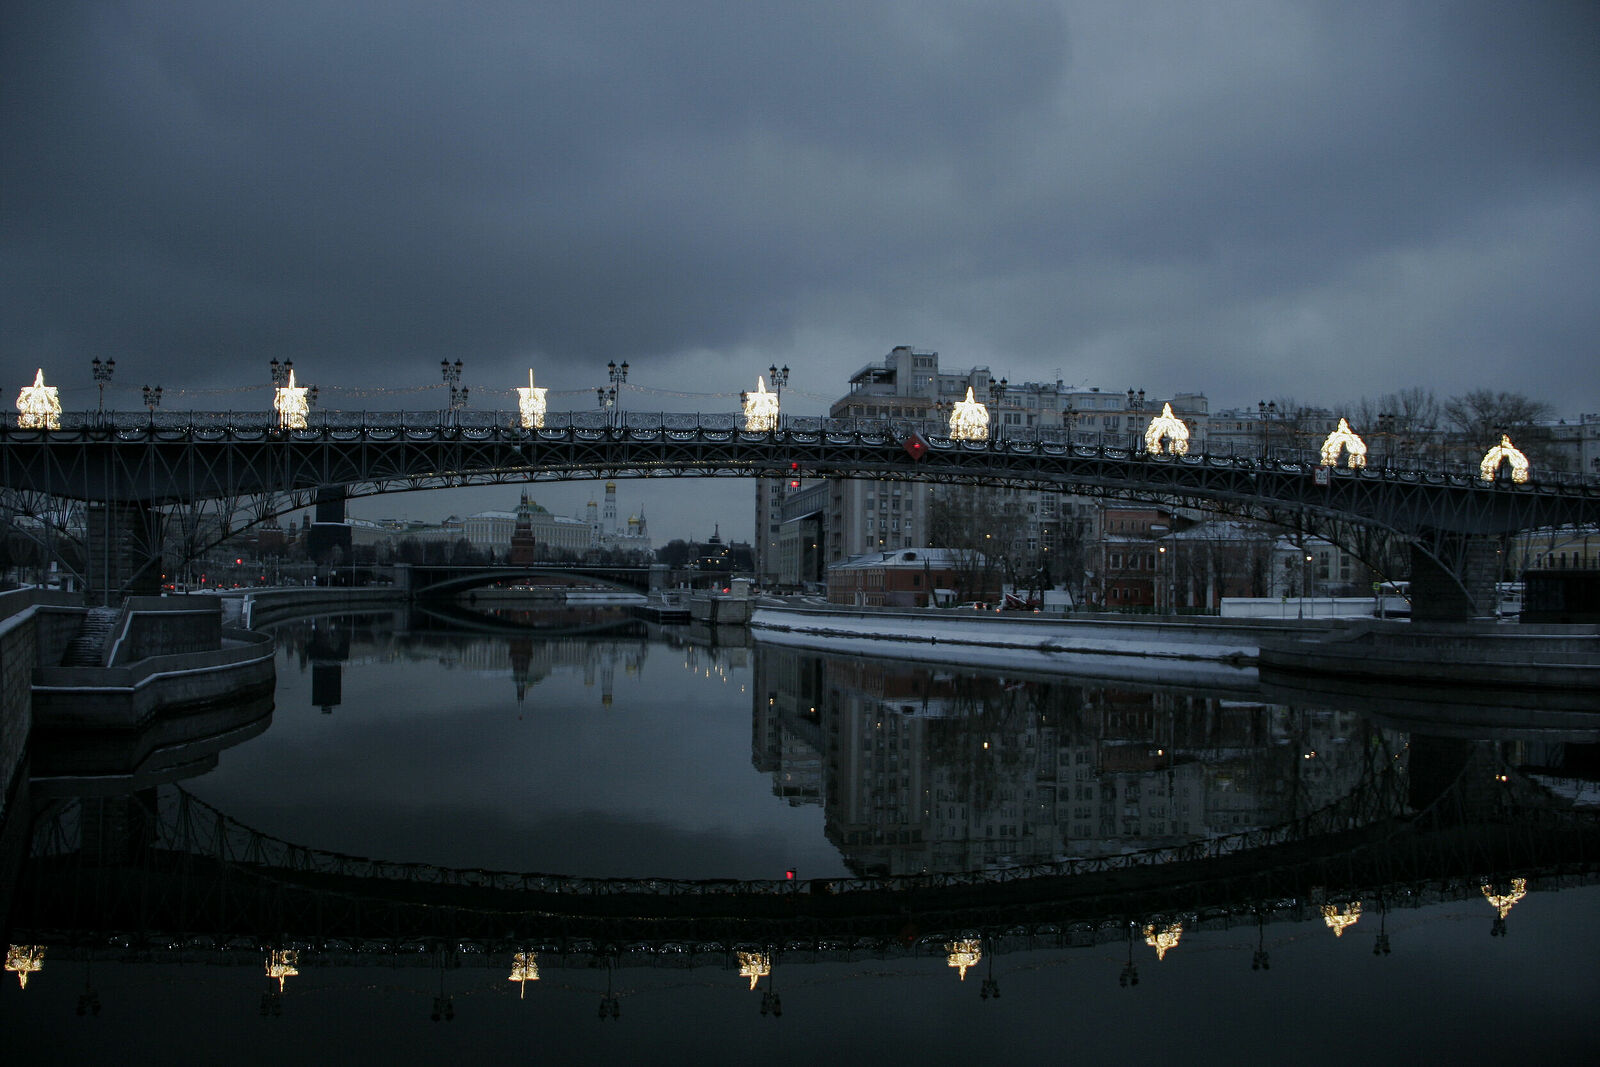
1045	531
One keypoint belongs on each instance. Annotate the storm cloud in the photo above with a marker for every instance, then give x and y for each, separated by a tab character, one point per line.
1249	199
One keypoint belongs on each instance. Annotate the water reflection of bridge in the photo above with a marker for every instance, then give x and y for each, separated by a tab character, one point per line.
161	871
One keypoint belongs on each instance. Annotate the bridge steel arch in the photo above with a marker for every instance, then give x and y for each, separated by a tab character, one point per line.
258	471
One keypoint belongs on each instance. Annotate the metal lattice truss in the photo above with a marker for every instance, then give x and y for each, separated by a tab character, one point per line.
218	474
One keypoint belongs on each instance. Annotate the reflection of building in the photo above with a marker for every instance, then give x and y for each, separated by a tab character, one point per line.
936	771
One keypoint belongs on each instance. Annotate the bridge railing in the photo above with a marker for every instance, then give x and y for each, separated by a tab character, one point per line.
428	424
189	824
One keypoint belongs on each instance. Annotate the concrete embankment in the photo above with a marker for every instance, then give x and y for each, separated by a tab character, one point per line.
1206	651
273	605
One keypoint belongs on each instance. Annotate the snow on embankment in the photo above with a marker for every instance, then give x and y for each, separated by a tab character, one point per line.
1114	648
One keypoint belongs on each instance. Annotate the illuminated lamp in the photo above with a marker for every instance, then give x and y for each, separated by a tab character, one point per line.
1171	427
969	420
24	959
524	969
1338	918
1343	439
962	954
760	408
289	401
39	405
754	966
1163	939
281	962
1506	451
530	402
1500	902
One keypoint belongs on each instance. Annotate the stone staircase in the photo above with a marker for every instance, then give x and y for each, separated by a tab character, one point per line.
87	649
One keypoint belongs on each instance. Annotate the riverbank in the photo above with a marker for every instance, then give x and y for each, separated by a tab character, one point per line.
1204	651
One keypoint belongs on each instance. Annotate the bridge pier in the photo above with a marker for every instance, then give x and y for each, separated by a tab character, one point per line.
124	551
1454	577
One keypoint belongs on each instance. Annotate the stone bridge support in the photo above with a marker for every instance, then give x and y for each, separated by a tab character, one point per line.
1454	577
124	551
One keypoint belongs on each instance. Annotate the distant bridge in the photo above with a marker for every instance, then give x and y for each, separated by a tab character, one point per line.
220	472
422	580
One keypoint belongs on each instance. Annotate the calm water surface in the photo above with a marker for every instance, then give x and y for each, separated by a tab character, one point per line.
579	743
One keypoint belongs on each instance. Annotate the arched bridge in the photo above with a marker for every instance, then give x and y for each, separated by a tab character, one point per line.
428	579
248	469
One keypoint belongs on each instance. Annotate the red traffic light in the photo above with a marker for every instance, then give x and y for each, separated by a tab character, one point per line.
789	874
794	483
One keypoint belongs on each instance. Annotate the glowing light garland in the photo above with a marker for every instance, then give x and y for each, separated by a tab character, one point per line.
525	969
963	954
1343	439
1163	939
281	964
24	960
1169	426
530	403
1499	902
754	966
1338	918
969	420
39	405
289	401
760	408
1505	450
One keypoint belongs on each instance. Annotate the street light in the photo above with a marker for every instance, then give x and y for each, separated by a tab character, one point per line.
102	375
779	377
281	372
152	400
452	379
1161	566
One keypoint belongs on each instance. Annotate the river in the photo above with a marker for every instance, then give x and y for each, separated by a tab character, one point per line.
1306	884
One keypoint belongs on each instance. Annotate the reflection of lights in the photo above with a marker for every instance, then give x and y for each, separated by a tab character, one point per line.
24	960
969	420
1338	917
1163	939
1501	902
1343	439
530	402
289	401
754	966
39	405
963	954
281	963
760	408
1507	451
525	969
1171	427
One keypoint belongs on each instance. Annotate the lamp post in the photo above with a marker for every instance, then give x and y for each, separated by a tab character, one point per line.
102	375
1266	413
1161	568
618	374
152	400
281	372
458	394
997	393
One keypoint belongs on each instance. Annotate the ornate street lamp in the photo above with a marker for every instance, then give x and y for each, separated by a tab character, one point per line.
452	380
779	377
281	372
102	375
152	400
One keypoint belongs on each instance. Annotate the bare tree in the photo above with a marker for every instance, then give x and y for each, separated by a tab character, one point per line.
1482	415
984	529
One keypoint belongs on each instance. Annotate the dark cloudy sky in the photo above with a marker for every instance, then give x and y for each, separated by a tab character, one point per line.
1248	199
